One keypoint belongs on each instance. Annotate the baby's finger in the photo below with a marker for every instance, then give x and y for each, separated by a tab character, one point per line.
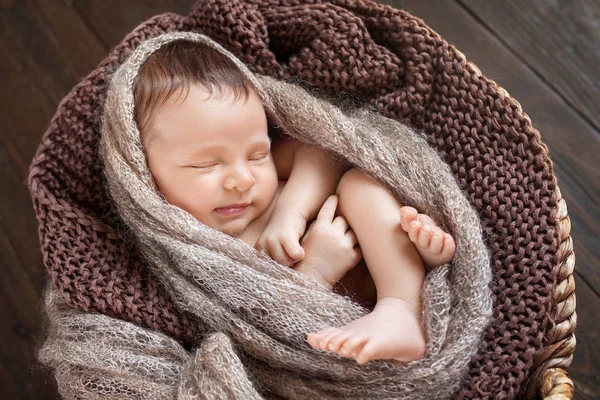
327	211
293	248
279	255
341	223
260	245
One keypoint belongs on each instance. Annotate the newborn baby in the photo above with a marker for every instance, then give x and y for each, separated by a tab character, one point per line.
206	138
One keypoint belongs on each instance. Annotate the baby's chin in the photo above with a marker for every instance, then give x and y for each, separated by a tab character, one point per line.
233	231
233	228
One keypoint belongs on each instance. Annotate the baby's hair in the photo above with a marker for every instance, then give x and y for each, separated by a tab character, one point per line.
174	68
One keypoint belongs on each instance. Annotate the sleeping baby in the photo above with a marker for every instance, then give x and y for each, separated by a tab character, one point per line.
208	145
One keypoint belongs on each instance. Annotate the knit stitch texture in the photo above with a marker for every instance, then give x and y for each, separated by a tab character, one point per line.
395	63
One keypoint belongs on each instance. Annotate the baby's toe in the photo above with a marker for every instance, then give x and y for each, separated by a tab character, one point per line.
322	333
367	353
352	345
324	341
407	215
449	246
424	236
314	339
413	232
426	220
336	343
437	242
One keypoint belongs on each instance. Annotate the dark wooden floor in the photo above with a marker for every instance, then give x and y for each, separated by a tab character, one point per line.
544	53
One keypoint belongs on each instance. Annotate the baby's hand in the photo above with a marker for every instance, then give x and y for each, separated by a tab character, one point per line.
330	246
281	238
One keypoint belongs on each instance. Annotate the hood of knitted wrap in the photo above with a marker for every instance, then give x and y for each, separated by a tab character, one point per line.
263	310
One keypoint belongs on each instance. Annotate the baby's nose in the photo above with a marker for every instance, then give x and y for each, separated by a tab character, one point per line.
241	179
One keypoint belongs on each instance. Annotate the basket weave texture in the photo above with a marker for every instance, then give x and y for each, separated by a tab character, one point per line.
394	62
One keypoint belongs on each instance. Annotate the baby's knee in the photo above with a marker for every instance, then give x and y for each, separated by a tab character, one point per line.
352	181
349	187
360	193
353	190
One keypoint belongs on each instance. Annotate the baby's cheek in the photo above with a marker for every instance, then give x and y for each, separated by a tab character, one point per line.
271	184
200	200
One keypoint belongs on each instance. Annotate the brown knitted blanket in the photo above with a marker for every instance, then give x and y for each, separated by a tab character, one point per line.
391	60
257	312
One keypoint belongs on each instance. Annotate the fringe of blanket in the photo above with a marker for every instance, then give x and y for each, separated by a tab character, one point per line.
97	357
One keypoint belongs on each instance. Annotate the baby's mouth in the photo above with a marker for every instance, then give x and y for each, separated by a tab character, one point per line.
233	209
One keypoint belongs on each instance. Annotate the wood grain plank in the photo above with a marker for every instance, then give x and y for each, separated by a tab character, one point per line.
113	19
573	142
23	279
19	331
21	314
28	77
27	105
75	42
46	57
46	48
558	39
25	113
24	118
22	32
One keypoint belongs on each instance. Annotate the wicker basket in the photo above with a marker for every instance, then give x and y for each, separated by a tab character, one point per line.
547	376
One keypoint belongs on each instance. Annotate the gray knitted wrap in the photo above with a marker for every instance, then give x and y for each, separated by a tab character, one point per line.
256	312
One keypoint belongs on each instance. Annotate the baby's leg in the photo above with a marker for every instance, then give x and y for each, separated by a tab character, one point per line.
393	330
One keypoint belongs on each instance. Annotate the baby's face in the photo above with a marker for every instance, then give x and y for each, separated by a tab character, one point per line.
211	157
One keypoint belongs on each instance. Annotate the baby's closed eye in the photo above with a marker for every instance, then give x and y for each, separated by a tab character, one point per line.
259	156
256	158
205	166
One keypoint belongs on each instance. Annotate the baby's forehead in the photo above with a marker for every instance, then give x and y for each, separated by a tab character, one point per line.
217	142
213	144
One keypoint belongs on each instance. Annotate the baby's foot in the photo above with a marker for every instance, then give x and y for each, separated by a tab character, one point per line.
391	331
435	246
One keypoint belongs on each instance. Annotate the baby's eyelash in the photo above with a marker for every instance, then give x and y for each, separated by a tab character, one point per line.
204	166
259	157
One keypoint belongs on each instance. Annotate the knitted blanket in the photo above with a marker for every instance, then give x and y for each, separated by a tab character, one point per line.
391	60
263	310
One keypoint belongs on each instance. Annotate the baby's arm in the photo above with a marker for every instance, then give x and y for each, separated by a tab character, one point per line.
312	175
